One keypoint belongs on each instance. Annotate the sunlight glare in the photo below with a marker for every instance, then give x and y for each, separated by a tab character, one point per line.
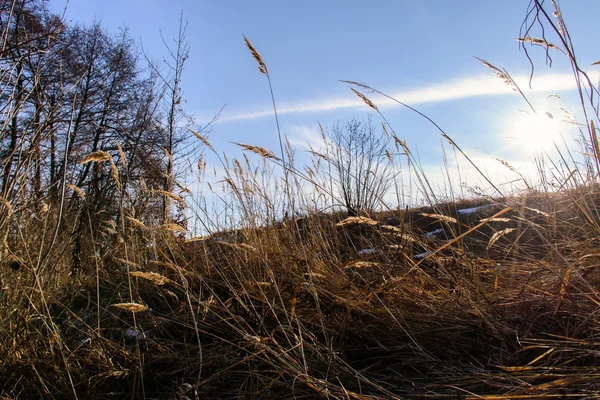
535	132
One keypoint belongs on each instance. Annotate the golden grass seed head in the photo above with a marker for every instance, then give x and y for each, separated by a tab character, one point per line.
133	307
170	195
365	99
261	151
114	173
537	41
441	217
172	228
153	277
121	154
496	236
197	239
262	67
498	219
499	73
143	185
360	264
203	140
77	190
136	222
96	156
357	220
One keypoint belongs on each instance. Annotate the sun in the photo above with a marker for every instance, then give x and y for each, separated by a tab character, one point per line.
535	132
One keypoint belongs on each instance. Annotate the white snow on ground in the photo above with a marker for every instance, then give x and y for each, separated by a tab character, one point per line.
471	210
85	340
422	255
366	252
433	233
135	333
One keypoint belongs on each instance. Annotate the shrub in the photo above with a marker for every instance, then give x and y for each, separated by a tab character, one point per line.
359	169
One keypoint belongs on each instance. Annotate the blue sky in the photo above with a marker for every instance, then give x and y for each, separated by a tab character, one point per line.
422	52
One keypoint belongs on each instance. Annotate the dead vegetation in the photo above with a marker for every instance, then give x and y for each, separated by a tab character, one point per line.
314	315
107	297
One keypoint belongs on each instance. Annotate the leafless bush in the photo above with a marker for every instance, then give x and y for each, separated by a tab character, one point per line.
360	168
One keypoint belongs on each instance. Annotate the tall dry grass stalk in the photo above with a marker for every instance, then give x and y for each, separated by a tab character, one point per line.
428	302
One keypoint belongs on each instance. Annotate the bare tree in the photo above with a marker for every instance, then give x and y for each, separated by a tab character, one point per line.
360	169
173	133
70	91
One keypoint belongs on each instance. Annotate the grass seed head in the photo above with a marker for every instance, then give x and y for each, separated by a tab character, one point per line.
364	98
496	236
261	151
153	277
198	239
499	73
136	222
172	196
203	140
498	219
537	41
360	264
121	154
262	67
172	228
133	307
441	217
77	190
357	220
96	156
114	172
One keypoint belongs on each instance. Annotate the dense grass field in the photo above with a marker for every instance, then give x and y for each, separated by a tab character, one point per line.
487	298
316	285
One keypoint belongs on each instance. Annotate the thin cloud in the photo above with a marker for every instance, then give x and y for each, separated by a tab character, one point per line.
459	177
459	89
304	137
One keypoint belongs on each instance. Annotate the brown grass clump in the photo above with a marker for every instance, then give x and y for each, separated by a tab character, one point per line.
295	308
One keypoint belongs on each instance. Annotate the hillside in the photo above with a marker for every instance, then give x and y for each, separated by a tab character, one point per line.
475	299
277	279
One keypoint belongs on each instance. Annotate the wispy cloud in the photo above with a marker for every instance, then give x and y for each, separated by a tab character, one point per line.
486	85
304	137
458	177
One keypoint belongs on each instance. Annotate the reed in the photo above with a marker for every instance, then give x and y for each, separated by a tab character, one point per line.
279	293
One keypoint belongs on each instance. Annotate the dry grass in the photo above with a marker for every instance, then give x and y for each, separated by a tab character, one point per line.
293	309
431	302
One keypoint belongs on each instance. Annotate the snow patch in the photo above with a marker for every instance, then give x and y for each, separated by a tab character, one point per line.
421	256
433	233
466	211
366	252
85	340
134	333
